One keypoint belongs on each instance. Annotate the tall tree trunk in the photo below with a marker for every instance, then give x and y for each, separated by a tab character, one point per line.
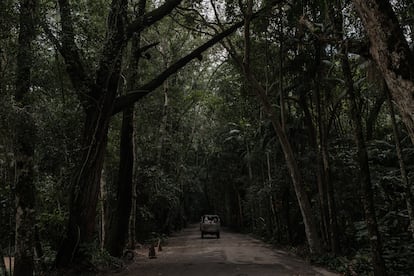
120	218
329	226
39	250
162	131
367	196
409	195
322	184
86	184
119	222
320	177
102	198
133	217
390	50
302	197
333	222
25	141
286	208
163	124
269	179
2	264
282	93
85	194
323	159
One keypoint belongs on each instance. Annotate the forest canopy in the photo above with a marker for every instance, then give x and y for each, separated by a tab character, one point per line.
124	121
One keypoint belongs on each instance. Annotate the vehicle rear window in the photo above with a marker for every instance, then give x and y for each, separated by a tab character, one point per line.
210	219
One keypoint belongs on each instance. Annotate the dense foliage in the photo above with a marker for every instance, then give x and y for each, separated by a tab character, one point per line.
203	140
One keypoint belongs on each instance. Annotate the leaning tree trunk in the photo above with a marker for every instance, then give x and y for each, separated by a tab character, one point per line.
367	196
25	131
302	197
390	50
311	231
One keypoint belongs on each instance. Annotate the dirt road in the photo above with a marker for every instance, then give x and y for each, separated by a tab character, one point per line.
232	255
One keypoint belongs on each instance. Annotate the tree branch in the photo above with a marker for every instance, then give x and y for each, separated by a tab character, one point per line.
71	53
126	100
141	51
359	47
109	66
55	41
151	17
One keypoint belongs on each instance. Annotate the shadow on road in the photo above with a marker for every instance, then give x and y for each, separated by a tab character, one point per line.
234	254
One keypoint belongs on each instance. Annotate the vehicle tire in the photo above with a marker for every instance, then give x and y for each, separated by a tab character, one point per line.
218	235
